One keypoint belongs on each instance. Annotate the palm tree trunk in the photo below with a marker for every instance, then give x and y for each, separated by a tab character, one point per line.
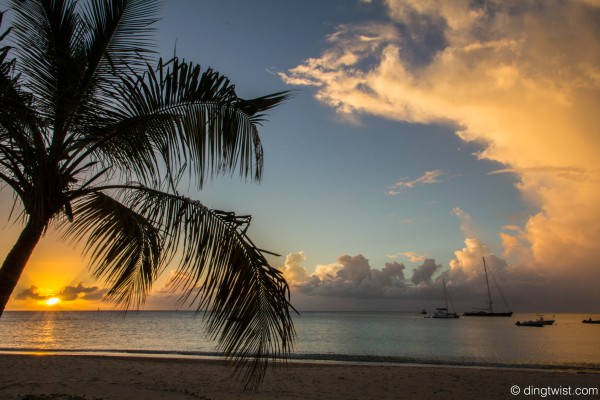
17	259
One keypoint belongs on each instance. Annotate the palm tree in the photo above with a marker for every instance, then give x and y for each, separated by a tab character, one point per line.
94	141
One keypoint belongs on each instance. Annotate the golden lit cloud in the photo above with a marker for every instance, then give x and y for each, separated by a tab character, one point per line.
293	271
522	79
412	256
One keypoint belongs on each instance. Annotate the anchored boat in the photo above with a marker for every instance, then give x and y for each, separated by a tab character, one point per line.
489	312
442	312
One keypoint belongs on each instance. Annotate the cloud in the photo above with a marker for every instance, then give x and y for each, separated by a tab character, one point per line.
30	294
468	262
423	273
427	178
72	293
521	79
466	222
354	277
293	269
68	293
525	286
412	256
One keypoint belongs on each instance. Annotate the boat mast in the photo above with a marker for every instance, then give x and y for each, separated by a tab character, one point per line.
488	286
445	293
447	297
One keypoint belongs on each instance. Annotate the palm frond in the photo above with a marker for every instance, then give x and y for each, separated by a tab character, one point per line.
220	271
124	246
195	116
115	42
70	56
119	33
46	42
18	146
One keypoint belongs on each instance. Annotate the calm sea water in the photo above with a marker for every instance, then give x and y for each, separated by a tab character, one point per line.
344	336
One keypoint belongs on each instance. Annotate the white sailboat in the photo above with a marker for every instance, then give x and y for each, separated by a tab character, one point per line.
442	312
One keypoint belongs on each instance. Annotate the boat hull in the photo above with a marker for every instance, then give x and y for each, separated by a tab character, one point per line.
488	314
537	324
587	321
447	316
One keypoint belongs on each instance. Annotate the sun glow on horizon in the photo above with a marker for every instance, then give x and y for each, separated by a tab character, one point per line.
52	301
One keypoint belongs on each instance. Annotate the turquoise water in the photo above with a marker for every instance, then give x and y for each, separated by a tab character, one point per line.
345	336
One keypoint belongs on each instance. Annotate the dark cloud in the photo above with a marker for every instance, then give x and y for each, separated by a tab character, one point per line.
353	276
31	293
71	293
423	273
68	293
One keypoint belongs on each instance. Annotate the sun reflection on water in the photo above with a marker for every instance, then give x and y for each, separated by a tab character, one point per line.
46	335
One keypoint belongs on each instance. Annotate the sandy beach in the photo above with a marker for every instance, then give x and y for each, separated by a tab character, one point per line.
121	378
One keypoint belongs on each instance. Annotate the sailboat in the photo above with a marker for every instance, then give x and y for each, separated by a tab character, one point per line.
489	312
442	312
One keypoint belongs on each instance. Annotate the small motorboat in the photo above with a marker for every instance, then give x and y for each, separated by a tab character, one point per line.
591	321
538	324
545	321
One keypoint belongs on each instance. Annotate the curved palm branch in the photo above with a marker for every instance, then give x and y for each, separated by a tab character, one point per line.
123	245
183	115
220	270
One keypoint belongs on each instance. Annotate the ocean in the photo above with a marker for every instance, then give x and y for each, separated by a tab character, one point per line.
371	337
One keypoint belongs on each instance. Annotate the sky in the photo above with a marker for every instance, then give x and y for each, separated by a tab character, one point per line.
422	136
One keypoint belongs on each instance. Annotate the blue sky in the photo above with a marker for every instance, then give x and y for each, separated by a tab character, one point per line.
325	182
422	136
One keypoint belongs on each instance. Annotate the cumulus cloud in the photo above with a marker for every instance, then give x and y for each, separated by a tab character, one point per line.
524	286
68	293
293	269
522	79
353	276
427	178
423	273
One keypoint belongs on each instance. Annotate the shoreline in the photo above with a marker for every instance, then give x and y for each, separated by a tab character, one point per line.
117	377
327	359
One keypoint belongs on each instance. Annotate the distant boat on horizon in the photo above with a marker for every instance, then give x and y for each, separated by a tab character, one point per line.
442	312
591	321
537	323
545	321
489	312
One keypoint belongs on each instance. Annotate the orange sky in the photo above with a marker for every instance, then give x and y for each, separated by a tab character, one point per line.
58	269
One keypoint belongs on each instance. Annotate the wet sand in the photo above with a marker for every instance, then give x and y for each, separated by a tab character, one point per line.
124	378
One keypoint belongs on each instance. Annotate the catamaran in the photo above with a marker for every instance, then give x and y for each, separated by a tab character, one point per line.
489	312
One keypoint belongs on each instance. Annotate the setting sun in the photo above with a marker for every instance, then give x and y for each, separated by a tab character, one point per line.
52	301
